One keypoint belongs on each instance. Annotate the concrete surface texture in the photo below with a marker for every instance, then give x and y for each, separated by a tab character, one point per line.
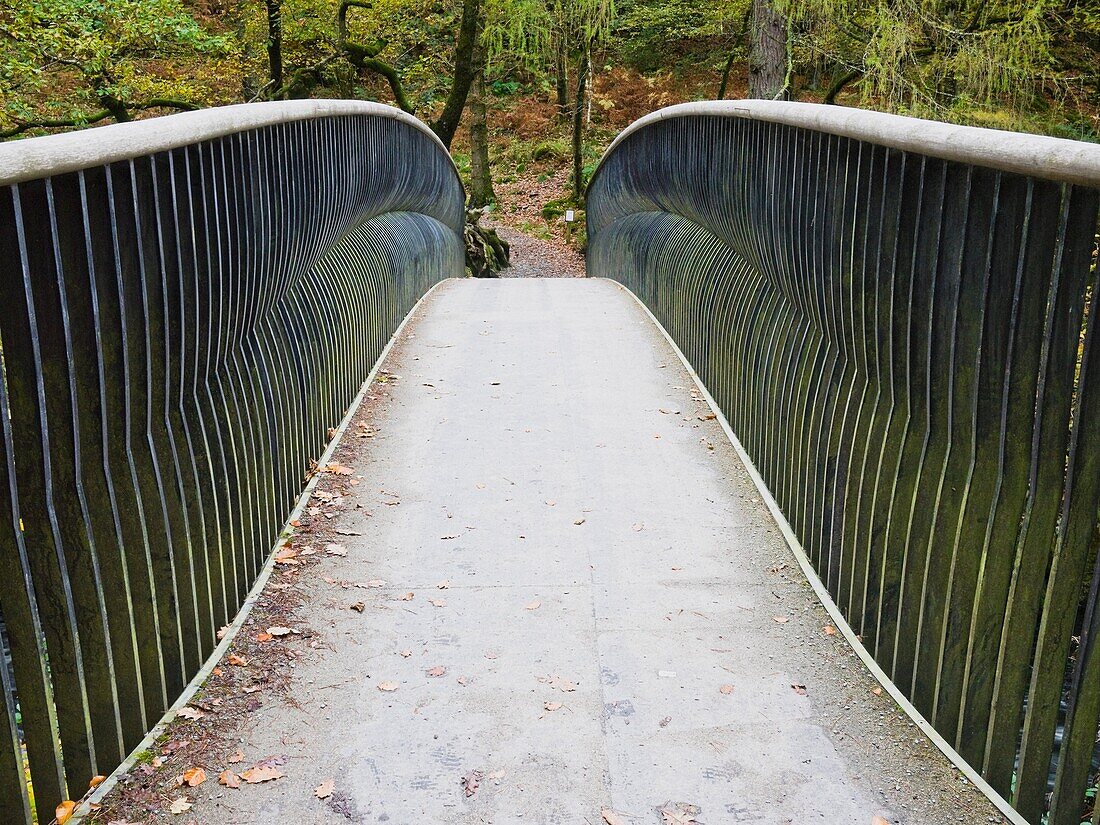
603	622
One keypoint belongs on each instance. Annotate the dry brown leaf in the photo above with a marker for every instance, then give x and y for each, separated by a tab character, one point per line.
552	706
726	690
878	820
579	521
436	671
462	681
96	781
781	619
261	773
336	550
188	712
286	556
194	777
263	637
876	690
234	659
405	654
829	630
339	470
358	607
799	689
561	684
535	605
470	782
238	756
443	585
408	597
278	630
180	806
438	602
229	779
388	687
324	790
490	654
64	812
612	818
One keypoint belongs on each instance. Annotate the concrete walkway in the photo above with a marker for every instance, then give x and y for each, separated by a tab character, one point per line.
585	606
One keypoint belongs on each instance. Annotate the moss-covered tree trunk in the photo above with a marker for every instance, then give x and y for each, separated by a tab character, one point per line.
768	52
275	44
468	35
578	126
561	77
481	177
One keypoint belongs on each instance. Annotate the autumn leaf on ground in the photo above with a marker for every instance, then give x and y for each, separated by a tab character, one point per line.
443	585
229	779
612	818
678	813
408	597
336	550
263	637
64	812
829	630
188	712
324	790
286	556
436	671
726	690
258	774
278	630
388	687
579	521
561	684
194	777
180	806
222	631
339	470
878	820
234	659
876	690
552	706
405	654
96	781
438	602
238	756
799	689
781	619
470	782
358	607
535	605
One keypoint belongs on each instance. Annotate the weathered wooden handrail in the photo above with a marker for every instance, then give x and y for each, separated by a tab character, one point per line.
898	319
189	303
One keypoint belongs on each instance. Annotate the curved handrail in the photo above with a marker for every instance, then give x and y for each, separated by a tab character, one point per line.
1071	161
39	157
898	319
190	303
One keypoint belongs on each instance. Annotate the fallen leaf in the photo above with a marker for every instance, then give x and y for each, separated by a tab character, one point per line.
664	722
180	805
258	774
552	706
876	690
64	812
443	585
679	813
229	779
535	605
222	631
612	818
448	538
336	550
358	607
579	521
388	687
878	820
799	689
238	756
263	637
781	619
490	654
339	470
96	781
279	631
194	777
286	556
406	653
188	712
438	602
438	670
726	690
234	659
408	597
829	630
470	782
461	680
561	684
324	790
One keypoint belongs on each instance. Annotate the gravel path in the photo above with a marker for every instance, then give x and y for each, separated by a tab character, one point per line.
537	258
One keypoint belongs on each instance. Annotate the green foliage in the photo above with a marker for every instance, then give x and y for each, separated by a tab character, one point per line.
647	28
72	59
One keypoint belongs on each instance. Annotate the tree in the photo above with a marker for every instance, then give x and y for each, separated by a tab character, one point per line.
112	57
768	57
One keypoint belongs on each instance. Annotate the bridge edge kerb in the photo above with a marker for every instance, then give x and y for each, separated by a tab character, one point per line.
42	157
1038	156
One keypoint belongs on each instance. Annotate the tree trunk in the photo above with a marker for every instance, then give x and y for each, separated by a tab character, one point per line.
561	77
578	127
481	176
447	123
275	44
768	53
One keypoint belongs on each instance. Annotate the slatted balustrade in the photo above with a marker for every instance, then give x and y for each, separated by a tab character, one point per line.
897	318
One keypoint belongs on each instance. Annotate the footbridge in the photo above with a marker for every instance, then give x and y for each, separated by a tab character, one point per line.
787	513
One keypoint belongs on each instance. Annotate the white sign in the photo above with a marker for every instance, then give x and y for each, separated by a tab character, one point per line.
569	216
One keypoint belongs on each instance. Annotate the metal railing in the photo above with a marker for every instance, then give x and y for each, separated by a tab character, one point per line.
897	318
189	303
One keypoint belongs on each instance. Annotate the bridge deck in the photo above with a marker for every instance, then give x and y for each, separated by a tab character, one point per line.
622	626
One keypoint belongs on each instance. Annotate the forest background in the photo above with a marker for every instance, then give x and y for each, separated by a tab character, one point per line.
528	93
